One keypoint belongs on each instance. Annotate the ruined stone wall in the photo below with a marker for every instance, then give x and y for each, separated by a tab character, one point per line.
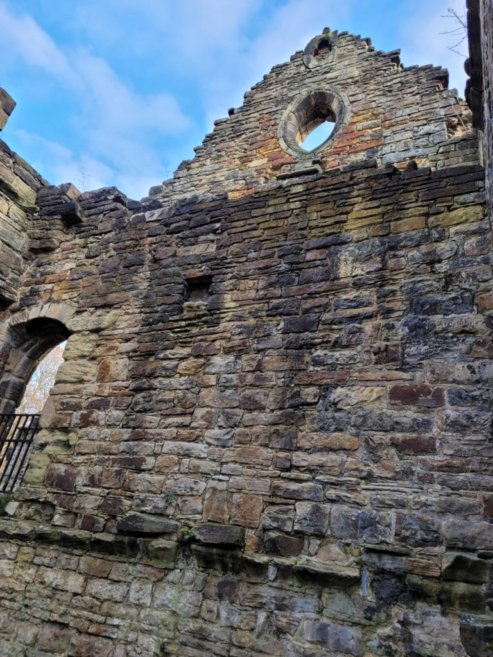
390	113
18	186
479	67
487	52
271	433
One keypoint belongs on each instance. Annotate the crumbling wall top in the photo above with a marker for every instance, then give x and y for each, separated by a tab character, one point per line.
381	111
7	104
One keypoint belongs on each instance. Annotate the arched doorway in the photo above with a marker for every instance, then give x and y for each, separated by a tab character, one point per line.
42	380
29	346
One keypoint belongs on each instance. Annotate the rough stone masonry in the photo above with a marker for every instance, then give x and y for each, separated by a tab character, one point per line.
272	431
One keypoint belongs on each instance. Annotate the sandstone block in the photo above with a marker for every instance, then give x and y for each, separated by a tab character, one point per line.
283	545
221	535
91	646
278	517
467	534
216	504
336	638
103	589
95	567
417	395
312	518
246	509
297	490
54	638
141	524
465	568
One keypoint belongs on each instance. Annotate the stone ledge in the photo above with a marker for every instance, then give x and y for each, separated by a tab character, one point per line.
167	551
144	524
328	572
266	565
219	535
77	539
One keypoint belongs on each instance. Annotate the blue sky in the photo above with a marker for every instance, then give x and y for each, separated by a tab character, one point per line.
118	92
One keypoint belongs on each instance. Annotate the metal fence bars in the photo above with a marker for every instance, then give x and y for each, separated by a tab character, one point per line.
16	437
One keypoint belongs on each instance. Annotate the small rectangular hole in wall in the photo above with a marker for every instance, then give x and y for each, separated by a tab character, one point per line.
198	288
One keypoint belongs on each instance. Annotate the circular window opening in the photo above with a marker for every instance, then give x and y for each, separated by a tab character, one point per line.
318	135
312	122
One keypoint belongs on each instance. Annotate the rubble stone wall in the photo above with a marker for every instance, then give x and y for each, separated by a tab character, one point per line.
272	430
391	113
18	186
487	52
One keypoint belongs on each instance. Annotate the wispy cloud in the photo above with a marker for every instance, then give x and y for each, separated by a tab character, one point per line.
231	59
117	106
86	171
427	38
23	37
83	170
137	83
119	124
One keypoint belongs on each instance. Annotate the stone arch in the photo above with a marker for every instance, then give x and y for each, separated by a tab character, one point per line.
307	111
321	49
25	340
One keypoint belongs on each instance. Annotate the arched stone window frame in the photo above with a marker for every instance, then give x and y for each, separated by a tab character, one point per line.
24	341
328	40
308	110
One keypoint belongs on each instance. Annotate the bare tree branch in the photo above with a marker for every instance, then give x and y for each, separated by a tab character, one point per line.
459	29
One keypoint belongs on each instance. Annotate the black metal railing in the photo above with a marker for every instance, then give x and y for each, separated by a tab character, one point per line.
16	437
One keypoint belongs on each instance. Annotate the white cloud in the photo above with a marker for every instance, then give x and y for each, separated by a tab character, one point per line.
87	172
119	126
427	39
211	50
118	107
23	35
289	28
84	171
193	29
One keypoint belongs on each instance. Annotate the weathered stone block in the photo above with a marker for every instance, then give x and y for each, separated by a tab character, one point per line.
92	646
95	567
283	545
216	503
278	517
297	491
222	535
418	530
374	527
162	550
54	638
468	535
312	518
7	105
476	637
102	589
344	522
336	638
141	524
184	603
417	395
62	477
464	568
